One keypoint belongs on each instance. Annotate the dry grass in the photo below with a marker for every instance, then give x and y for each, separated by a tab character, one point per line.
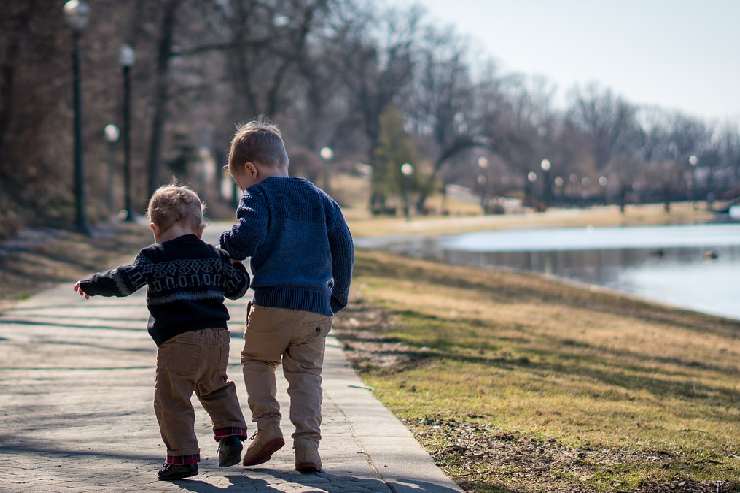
613	393
54	256
363	225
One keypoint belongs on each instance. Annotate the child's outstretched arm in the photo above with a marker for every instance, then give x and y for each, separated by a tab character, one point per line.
243	238
121	281
342	260
236	278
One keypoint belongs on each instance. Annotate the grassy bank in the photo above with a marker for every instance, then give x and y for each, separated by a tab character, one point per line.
519	383
40	258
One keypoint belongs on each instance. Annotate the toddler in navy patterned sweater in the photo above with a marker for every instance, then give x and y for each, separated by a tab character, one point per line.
187	281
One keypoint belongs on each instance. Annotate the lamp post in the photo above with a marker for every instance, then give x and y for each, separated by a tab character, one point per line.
407	169
603	182
483	182
693	162
77	13
126	59
559	183
326	154
531	178
111	134
546	165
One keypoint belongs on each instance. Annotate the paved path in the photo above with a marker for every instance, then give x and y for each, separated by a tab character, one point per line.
76	389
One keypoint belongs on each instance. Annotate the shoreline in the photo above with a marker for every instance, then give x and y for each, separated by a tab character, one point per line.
575	283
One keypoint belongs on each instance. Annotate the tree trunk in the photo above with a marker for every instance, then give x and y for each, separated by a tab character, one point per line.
164	54
7	71
667	199
425	191
622	199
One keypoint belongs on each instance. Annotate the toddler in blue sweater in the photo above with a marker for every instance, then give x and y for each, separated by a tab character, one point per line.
301	255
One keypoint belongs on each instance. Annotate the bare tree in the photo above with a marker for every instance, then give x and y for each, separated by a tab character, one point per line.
376	65
441	102
610	124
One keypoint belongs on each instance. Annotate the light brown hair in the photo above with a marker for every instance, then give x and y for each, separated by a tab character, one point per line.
259	142
172	204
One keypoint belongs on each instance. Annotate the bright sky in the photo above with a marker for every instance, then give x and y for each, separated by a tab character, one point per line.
682	54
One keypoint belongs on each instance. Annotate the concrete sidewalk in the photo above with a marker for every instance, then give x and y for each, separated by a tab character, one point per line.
76	390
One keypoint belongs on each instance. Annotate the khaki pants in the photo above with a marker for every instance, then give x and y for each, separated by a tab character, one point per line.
190	362
296	339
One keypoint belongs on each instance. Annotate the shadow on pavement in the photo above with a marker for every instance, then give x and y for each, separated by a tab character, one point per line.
28	447
322	482
10	321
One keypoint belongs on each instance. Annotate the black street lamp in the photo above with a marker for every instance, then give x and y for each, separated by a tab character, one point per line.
693	161
546	185
529	198
407	169
126	59
326	153
603	183
111	134
77	13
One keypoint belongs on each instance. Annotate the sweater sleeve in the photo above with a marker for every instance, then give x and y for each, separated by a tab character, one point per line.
242	240
121	281
342	260
236	278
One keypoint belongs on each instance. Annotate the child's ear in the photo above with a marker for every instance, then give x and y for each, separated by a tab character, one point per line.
199	230
155	229
252	169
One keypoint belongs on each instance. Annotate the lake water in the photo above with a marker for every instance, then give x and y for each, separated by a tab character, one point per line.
696	267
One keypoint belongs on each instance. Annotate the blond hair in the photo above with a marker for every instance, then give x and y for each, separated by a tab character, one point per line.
258	142
172	204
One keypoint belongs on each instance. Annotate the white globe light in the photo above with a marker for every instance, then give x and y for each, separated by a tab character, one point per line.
77	13
111	133
532	176
326	153
545	165
407	169
603	181
693	160
127	56
483	162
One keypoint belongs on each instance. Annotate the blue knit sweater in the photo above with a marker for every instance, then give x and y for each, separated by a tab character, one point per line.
300	246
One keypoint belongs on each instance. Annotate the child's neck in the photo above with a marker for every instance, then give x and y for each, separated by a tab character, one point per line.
175	231
269	172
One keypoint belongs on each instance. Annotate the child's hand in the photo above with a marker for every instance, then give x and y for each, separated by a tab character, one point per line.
78	290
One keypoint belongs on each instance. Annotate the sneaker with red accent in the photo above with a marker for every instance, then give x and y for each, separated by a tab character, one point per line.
229	451
172	472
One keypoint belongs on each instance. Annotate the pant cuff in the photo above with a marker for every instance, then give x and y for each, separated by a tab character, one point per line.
180	460
230	431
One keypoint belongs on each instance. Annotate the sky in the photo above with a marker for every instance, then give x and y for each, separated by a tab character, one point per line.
680	54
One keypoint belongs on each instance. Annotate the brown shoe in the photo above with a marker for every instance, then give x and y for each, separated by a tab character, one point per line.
265	442
307	458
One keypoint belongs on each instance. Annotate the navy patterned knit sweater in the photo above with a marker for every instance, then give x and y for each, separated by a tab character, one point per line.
187	281
300	246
